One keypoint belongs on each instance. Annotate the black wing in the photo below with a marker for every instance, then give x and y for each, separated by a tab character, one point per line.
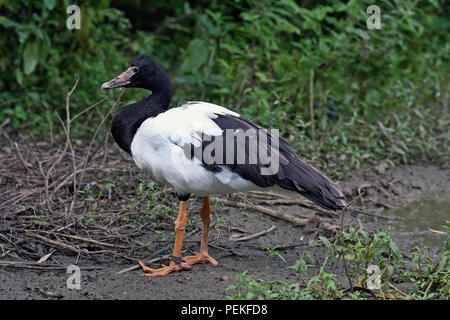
291	173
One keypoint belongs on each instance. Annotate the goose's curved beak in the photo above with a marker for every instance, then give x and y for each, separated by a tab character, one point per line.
121	80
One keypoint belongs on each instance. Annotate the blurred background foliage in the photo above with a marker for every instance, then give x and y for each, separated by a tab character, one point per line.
376	94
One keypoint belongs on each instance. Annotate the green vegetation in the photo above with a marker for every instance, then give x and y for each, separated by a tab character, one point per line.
376	94
361	252
272	252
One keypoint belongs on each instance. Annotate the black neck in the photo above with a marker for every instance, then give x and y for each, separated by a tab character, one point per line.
129	119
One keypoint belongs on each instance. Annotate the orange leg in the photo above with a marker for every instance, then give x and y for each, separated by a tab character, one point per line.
180	225
203	256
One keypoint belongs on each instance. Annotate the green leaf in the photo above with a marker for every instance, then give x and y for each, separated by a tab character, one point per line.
395	250
330	248
30	57
349	256
50	4
278	68
20	113
8	23
211	29
325	241
19	76
23	36
197	55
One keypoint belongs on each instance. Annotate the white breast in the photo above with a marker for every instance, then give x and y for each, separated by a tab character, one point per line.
157	147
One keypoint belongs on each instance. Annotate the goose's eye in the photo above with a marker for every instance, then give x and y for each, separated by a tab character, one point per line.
136	69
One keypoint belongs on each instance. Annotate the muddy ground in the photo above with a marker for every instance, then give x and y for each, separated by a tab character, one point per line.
97	234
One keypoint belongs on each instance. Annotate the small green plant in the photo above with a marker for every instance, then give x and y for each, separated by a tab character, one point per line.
359	250
249	288
96	189
322	286
146	196
86	218
363	249
325	286
432	279
301	267
272	252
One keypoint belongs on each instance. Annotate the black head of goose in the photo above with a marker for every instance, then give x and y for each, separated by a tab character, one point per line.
204	149
143	73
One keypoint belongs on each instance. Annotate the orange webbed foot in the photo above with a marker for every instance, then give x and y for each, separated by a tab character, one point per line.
165	270
200	257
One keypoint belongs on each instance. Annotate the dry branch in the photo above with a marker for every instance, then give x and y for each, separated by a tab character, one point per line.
41	266
57	244
252	236
279	215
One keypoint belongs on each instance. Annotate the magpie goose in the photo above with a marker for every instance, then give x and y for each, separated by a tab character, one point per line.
205	149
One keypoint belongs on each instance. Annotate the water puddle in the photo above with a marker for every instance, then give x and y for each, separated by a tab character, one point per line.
420	222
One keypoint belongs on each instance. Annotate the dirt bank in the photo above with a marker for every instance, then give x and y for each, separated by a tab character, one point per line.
102	238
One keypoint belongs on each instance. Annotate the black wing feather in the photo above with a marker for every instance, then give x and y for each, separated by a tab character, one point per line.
293	173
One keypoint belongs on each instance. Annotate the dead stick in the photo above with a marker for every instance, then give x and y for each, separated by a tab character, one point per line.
83	239
88	108
271	194
304	203
40	266
97	130
47	195
56	243
252	236
285	200
64	182
347	273
135	267
279	215
346	209
21	158
398	290
67	142
72	151
227	250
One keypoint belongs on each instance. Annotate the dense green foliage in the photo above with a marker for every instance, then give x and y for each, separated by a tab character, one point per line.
376	93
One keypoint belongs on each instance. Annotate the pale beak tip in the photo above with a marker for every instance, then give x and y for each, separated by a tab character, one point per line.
105	86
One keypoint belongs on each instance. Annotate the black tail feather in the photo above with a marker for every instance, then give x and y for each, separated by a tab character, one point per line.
313	185
293	173
309	181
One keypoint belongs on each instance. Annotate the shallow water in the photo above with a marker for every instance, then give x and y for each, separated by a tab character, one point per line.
412	225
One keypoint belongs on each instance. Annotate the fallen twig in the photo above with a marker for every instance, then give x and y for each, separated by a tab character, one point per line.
227	250
57	244
279	215
41	266
304	203
135	267
272	213
26	165
104	244
252	236
407	296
